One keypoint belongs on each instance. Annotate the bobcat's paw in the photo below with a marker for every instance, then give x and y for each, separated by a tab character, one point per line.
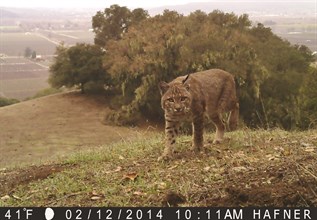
165	157
196	149
217	141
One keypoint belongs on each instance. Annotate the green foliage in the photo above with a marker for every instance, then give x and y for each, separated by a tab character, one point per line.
33	55
27	52
139	51
308	101
268	70
113	22
6	101
80	65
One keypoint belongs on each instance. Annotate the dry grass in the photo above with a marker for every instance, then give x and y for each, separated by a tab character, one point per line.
251	168
55	126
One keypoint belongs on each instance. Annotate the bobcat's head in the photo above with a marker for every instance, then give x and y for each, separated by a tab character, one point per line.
176	98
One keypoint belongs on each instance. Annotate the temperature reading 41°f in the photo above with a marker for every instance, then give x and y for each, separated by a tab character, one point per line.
19	214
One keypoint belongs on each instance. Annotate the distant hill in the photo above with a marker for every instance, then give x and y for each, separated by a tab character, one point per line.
305	8
24	13
45	14
249	7
7	13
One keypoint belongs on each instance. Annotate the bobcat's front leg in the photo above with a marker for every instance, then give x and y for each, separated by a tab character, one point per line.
171	132
198	130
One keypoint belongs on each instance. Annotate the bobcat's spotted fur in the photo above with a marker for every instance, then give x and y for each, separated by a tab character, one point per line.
190	97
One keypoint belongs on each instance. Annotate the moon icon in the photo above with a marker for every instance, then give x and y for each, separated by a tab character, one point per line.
49	214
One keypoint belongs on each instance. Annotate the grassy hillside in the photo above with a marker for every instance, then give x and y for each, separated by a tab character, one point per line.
47	128
258	168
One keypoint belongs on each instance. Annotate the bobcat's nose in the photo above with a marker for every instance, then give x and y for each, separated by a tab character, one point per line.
178	109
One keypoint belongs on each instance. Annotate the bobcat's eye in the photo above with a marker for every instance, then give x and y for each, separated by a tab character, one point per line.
170	100
183	99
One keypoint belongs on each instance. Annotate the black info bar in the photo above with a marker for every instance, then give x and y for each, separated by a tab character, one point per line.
156	213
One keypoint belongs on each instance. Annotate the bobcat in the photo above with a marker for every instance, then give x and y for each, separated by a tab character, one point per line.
190	97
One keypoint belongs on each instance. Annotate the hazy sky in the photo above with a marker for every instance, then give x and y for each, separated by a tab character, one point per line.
92	3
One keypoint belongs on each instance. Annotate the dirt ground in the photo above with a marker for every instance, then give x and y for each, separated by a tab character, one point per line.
281	184
51	127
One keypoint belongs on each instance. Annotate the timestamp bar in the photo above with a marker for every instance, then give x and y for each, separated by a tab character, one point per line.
156	213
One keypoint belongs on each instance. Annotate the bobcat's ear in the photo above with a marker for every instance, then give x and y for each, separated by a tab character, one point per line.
163	86
184	80
187	87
